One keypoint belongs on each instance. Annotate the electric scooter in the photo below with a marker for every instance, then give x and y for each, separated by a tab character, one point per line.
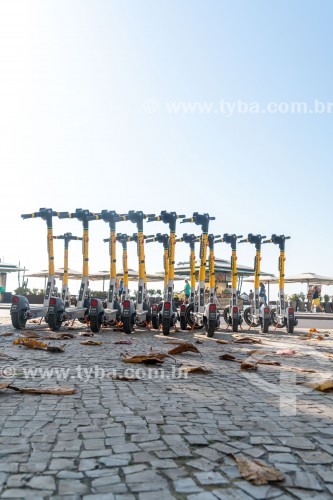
67	237
169	311
57	313
257	314
142	309
190	239
211	317
231	314
282	316
98	314
21	310
156	309
195	312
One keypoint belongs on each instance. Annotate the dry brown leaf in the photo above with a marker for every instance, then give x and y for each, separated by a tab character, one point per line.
321	386
30	343
320	337
246	365
59	336
247	340
91	342
257	472
6	334
127	342
4	385
328	354
184	347
221	341
45	390
229	357
86	334
259	351
195	369
304	370
145	358
53	348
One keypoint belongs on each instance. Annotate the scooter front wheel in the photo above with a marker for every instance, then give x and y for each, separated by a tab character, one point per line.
190	318
127	325
235	323
183	323
19	320
249	318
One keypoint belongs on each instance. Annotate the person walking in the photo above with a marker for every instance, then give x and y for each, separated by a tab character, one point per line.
262	294
187	291
316	300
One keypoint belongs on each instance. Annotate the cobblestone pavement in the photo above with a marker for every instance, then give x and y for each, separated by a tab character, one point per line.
165	436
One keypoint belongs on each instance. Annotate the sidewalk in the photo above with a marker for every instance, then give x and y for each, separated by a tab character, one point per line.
167	435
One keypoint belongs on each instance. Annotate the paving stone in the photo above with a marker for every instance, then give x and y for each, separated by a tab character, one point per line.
300	443
231	494
116	460
202	496
206	478
186	486
307	481
202	464
315	457
71	486
17	493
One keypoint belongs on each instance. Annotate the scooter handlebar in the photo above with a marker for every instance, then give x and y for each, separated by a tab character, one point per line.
181	216
287	237
240	236
149	216
188	219
243	241
212	218
266	241
30	216
65	215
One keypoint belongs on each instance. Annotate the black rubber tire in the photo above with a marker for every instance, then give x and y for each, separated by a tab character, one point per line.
210	328
290	326
96	323
226	314
166	326
155	322
55	321
189	317
127	325
248	317
18	320
265	325
235	324
183	323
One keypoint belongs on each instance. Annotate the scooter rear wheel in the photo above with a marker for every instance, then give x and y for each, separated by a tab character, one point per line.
127	325
183	323
18	319
235	323
96	323
54	321
265	325
210	328
166	326
290	326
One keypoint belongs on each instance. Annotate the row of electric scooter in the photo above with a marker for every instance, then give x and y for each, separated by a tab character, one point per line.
124	312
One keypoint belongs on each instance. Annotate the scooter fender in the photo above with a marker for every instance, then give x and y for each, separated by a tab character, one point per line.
96	307
21	304
56	306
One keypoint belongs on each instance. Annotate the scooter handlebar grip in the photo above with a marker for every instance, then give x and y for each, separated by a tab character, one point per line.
212	218
287	237
181	216
266	241
106	240
30	216
149	216
217	236
264	237
240	236
186	220
243	241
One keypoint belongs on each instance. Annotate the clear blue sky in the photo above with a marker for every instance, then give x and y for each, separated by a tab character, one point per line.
75	77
